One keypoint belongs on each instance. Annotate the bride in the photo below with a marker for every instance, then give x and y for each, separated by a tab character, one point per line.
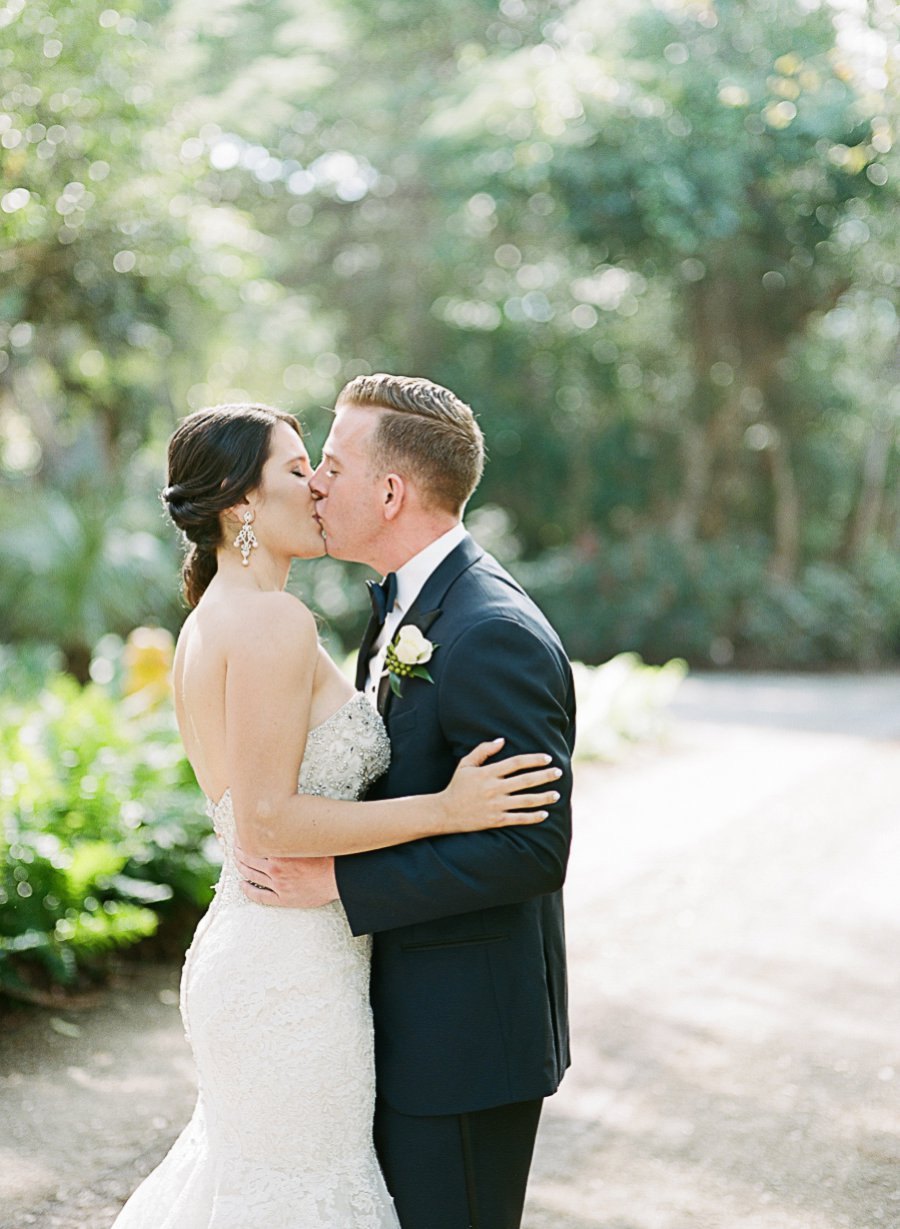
275	1001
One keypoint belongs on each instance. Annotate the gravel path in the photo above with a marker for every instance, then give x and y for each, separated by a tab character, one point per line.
734	918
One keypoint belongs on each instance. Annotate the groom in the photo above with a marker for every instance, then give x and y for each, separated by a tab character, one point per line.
468	974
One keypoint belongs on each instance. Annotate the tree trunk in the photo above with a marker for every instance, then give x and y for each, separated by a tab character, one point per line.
696	465
785	560
871	496
77	659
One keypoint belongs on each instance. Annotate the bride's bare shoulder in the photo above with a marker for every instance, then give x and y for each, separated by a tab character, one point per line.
264	620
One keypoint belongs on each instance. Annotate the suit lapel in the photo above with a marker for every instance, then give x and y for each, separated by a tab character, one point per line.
362	658
427	606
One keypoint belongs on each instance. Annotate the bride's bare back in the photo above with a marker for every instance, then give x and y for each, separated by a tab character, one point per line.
216	636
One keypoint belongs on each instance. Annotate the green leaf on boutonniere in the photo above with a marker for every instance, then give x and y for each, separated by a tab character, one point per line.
406	656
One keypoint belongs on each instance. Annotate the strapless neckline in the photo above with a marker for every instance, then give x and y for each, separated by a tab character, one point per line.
213	808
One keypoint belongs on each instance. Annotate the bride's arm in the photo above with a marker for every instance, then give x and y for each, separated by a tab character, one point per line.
268	692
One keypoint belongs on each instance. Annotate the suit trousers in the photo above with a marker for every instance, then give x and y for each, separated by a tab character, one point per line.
458	1171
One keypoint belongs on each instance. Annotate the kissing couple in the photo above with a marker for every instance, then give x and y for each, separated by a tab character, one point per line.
376	997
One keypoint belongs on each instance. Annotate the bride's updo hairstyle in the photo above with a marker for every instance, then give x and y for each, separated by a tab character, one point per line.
216	456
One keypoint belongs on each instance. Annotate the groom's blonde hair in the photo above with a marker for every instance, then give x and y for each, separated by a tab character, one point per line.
424	429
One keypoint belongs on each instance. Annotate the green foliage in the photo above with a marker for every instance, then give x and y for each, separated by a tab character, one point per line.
734	158
75	569
101	831
827	616
653	243
717	604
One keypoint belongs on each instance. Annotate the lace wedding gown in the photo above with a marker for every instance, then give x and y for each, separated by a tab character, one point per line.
276	1007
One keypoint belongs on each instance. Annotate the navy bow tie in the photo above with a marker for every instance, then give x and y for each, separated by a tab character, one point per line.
383	596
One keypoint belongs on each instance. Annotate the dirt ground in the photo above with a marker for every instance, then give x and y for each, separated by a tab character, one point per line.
734	918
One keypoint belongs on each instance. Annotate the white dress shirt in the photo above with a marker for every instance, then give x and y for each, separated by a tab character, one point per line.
411	580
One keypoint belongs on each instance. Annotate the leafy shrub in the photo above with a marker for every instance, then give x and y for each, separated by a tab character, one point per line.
828	616
715	603
102	831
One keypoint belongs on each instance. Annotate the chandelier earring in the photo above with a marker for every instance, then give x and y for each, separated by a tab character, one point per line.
246	539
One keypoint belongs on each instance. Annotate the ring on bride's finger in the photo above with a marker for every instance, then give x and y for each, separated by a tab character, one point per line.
262	887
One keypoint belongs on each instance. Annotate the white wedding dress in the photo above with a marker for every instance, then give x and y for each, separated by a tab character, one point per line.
276	1007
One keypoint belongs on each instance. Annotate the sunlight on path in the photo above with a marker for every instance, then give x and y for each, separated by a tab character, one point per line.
734	921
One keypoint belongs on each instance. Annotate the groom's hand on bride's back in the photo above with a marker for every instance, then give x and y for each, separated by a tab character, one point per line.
288	883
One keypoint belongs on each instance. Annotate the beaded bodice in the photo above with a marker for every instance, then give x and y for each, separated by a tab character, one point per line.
343	756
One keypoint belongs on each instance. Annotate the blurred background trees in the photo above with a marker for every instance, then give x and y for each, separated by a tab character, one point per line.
650	242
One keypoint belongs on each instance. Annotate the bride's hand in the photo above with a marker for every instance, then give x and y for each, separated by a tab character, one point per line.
482	795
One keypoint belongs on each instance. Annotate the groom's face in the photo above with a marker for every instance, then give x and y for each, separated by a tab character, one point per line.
350	497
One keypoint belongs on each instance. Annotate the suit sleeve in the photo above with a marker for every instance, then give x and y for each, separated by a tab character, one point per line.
499	678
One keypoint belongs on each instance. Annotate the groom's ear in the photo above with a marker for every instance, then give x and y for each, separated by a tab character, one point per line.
393	495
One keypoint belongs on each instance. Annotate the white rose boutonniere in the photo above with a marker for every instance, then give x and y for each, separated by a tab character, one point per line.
406	656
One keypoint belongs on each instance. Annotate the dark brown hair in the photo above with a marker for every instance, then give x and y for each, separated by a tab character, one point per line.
215	457
426	429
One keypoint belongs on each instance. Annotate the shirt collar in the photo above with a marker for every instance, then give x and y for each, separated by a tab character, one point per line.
412	576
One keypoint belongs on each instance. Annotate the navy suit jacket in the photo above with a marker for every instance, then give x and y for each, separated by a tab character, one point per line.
468	973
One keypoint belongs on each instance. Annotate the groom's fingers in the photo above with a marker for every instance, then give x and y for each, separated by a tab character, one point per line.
254	873
257	893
